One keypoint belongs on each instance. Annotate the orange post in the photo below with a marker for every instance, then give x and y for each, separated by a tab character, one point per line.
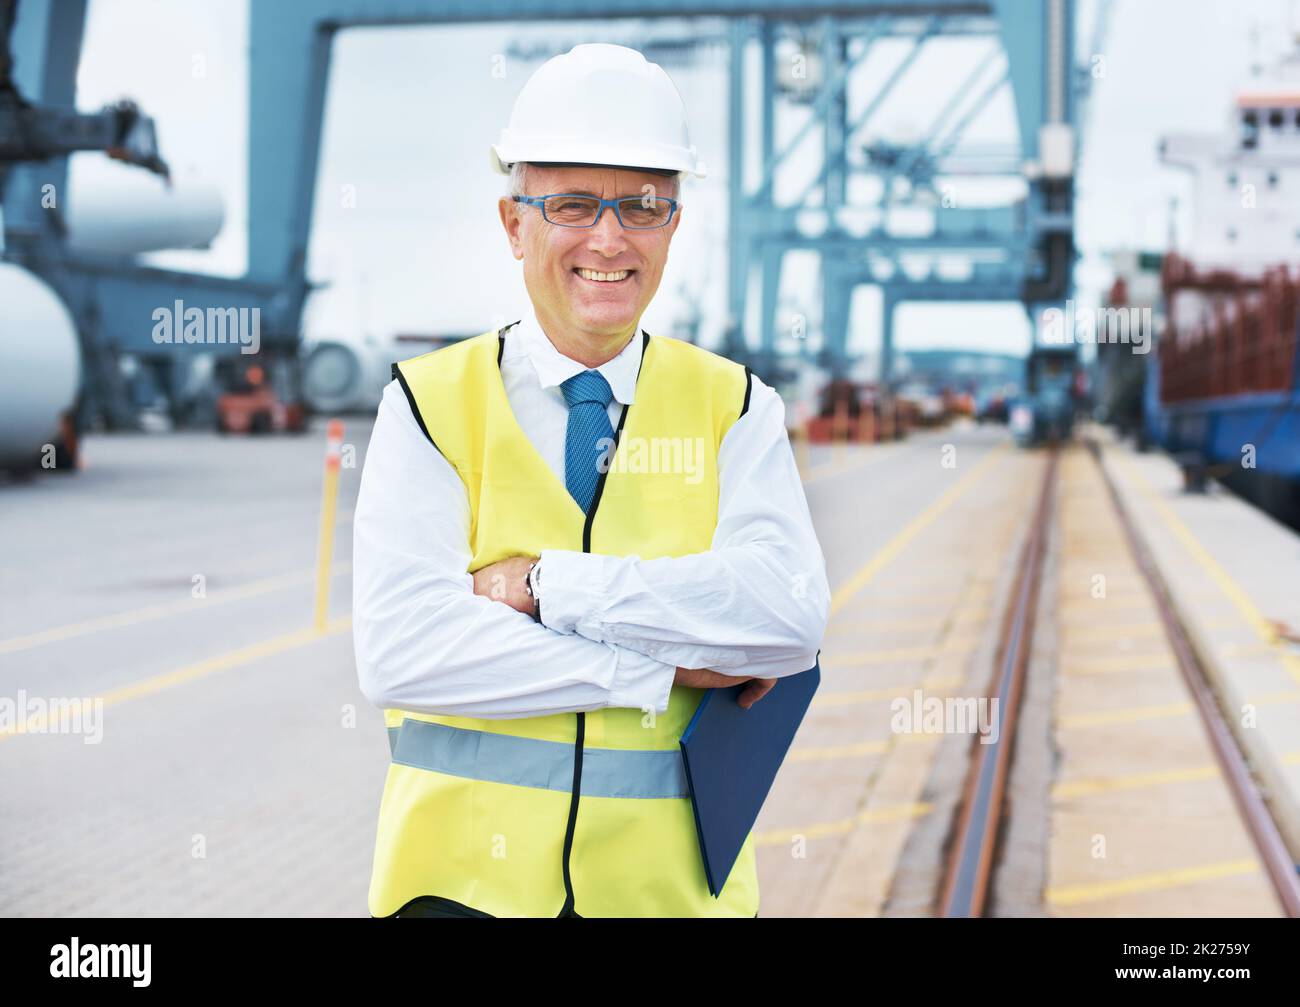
328	508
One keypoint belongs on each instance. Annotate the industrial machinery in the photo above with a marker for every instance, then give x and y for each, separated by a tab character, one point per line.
255	400
857	412
42	360
81	250
799	60
341	377
1046	411
1121	373
41	372
1020	251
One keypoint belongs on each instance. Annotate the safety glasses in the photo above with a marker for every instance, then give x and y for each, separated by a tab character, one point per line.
637	213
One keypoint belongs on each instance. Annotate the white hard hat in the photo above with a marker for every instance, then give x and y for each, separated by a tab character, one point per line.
599	104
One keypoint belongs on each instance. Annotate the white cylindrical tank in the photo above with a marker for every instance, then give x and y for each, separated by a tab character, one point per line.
341	377
130	213
40	366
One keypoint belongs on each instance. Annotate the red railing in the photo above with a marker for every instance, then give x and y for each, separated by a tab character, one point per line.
1227	334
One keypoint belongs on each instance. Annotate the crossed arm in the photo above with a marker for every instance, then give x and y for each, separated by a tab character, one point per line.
615	631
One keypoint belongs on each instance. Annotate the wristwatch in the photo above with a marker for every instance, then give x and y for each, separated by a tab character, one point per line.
533	584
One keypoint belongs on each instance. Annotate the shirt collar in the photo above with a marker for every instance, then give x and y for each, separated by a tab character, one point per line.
554	368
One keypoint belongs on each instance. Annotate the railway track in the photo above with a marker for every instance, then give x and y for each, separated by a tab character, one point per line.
973	846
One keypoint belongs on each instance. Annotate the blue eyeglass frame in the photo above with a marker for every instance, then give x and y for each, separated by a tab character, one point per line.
540	203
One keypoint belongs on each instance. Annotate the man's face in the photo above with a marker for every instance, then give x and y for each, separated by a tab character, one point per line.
555	257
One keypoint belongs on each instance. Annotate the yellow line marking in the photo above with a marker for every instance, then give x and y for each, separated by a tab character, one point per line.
1083	596
819	830
888	692
956	645
1077	602
1274	698
812	754
1128	715
830	752
1098	606
1291	758
883	624
1222	579
1248	649
163	609
966	619
924	585
930	600
221	662
1120	663
1123	631
1104	785
1158	881
899	542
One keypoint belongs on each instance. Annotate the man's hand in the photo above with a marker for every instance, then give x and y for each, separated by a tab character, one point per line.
506	581
702	678
755	690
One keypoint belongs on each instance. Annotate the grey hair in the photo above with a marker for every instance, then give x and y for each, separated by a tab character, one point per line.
518	181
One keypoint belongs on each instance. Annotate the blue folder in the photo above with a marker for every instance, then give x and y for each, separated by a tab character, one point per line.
732	756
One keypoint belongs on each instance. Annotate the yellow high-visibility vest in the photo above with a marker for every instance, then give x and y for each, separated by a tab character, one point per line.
565	814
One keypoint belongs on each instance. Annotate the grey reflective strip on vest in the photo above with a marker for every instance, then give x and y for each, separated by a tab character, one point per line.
531	762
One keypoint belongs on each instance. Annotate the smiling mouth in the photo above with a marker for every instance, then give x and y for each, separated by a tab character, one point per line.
617	276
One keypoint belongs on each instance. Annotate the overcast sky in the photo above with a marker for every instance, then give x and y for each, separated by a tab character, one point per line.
410	114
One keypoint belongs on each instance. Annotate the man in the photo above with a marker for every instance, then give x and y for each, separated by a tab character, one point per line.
567	530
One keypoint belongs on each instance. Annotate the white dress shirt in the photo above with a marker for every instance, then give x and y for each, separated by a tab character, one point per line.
614	628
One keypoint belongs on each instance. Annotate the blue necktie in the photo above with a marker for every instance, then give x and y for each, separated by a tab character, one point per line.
588	442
